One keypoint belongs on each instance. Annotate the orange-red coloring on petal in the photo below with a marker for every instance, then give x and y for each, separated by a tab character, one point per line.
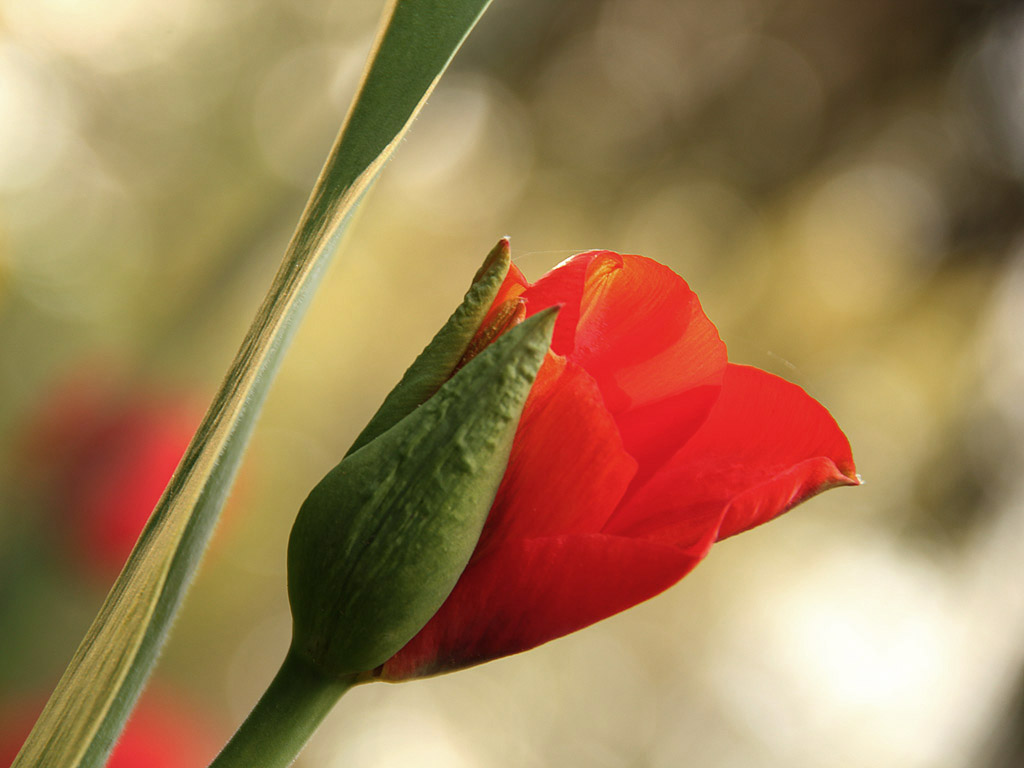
639	447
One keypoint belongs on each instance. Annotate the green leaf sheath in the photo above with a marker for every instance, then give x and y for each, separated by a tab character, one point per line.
381	541
98	690
436	362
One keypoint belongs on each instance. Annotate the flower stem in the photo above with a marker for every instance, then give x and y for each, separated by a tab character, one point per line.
284	718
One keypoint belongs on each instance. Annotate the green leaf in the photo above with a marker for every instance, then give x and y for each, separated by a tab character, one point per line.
101	684
380	542
435	364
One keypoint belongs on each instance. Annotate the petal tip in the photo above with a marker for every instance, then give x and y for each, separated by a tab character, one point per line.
844	474
845	468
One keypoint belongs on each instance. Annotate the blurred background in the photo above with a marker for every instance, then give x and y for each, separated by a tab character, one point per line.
841	183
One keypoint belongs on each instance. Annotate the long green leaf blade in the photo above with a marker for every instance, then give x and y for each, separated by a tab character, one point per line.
79	724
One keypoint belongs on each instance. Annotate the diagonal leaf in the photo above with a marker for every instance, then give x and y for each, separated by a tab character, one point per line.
86	712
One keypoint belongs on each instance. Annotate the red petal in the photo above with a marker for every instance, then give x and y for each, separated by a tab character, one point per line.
531	591
653	433
513	285
568	469
562	285
642	333
766	446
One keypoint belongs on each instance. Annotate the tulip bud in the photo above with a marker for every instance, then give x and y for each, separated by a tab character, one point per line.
99	451
381	541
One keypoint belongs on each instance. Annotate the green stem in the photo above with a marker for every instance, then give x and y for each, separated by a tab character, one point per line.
288	713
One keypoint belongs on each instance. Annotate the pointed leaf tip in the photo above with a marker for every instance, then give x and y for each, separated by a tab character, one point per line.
438	360
498	258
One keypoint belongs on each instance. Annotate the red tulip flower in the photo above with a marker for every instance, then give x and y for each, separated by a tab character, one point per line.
639	447
161	733
105	455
